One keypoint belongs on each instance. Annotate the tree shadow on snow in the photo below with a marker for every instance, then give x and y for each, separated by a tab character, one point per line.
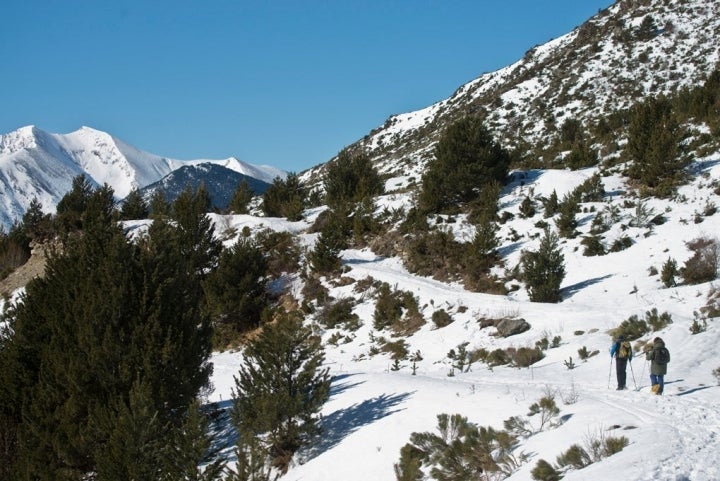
569	291
221	429
343	422
340	387
685	393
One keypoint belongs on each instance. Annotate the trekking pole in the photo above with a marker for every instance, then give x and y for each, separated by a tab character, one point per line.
642	374
610	372
633	374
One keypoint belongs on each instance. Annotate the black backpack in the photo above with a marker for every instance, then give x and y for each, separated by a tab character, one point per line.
662	356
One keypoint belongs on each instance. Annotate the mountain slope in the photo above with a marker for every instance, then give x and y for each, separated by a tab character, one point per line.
34	163
603	66
221	183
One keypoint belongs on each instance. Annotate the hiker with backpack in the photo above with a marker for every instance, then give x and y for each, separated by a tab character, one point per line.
621	350
659	357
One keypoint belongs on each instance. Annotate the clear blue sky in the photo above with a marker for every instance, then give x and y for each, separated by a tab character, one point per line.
287	83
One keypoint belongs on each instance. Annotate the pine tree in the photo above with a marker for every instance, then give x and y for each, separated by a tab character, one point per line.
235	291
325	257
285	198
466	159
527	209
241	198
159	206
280	389
134	206
544	269
70	208
653	145
351	178
566	222
37	224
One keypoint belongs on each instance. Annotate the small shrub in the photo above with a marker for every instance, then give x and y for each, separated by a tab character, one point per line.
614	445
569	363
658	322
339	313
441	318
584	354
398	350
632	328
498	357
621	243
593	246
575	457
703	265
548	411
669	272
543	344
556	342
543	471
697	327
525	356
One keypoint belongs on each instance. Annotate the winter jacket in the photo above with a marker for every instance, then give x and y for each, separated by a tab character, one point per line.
656	368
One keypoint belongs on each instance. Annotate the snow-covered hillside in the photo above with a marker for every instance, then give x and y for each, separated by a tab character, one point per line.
35	163
374	408
603	66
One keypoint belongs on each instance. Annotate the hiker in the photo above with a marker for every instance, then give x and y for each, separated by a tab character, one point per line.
659	356
621	350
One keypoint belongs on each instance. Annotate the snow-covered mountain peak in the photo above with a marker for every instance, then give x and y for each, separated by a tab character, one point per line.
35	163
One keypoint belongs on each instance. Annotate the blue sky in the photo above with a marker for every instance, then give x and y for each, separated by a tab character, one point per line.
283	83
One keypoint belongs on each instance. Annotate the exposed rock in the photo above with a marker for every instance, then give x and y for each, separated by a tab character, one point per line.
510	327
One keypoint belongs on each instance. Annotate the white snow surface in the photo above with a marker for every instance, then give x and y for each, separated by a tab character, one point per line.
373	409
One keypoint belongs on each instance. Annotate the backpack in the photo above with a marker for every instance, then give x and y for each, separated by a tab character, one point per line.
624	350
662	355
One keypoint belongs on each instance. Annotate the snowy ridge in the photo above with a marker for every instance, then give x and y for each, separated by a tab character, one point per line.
35	163
600	67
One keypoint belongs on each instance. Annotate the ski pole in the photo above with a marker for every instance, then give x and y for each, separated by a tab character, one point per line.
610	372
633	375
642	374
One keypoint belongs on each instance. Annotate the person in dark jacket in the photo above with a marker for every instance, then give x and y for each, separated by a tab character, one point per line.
659	357
622	352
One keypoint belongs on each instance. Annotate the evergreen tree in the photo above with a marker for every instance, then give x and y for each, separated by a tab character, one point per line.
566	222
70	208
285	198
241	198
191	448
37	224
551	205
109	348
351	178
236	291
280	389
159	206
653	145
134	206
527	208
544	269
466	159
325	257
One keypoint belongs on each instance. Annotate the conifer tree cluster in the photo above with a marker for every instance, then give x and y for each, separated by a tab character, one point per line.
285	198
106	354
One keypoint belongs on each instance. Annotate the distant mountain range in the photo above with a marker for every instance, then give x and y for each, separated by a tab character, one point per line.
42	165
